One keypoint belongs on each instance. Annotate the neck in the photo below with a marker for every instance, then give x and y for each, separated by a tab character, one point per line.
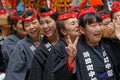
91	43
54	38
36	41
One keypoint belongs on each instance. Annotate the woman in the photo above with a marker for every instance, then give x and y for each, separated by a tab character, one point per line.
108	28
93	60
69	32
40	65
17	33
115	16
21	58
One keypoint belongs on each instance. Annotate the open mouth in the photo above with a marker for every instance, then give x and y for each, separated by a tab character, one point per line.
47	31
34	31
97	35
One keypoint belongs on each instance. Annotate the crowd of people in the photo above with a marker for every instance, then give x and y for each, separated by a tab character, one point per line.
80	44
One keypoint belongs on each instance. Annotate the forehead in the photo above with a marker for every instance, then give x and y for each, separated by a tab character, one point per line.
106	20
30	18
116	14
45	18
71	20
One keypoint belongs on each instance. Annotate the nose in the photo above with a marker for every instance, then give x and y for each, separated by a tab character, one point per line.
77	24
31	26
98	28
44	25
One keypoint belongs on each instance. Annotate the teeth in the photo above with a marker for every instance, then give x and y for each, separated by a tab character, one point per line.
46	30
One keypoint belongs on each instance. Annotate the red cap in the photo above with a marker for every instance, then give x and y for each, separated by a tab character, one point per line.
72	8
33	17
106	16
15	17
3	11
115	6
47	13
85	11
67	15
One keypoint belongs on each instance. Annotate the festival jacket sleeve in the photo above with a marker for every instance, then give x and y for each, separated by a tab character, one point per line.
17	65
37	68
61	70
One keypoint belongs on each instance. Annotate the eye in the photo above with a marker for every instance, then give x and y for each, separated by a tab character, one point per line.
115	18
34	22
27	25
93	25
47	22
72	23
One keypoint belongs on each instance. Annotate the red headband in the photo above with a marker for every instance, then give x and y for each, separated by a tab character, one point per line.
3	11
106	16
85	11
67	15
15	17
47	13
115	6
72	8
33	17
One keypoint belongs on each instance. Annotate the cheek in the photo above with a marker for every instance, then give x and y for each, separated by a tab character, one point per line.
52	26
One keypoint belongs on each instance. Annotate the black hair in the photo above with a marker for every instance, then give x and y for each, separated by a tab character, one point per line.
105	12
89	18
14	22
27	14
60	25
53	16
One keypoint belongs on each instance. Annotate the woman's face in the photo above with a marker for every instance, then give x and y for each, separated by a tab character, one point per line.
32	28
48	26
93	33
19	28
108	24
115	15
71	26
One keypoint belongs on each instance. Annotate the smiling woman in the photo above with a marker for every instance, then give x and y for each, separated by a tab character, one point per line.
94	59
41	69
21	58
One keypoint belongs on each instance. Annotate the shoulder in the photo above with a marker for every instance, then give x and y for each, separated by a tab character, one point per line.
12	38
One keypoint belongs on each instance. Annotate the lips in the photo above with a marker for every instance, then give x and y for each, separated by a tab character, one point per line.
47	31
34	31
98	35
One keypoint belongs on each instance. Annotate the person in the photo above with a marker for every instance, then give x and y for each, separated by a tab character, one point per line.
115	13
108	28
69	32
17	33
4	32
2	62
40	64
21	58
92	57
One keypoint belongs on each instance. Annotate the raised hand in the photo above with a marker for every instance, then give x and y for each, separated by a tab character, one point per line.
117	27
71	48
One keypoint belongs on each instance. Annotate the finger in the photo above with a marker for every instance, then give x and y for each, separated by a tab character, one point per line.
68	50
118	18
69	39
76	40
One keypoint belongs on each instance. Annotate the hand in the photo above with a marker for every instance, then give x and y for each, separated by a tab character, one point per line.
71	48
117	27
